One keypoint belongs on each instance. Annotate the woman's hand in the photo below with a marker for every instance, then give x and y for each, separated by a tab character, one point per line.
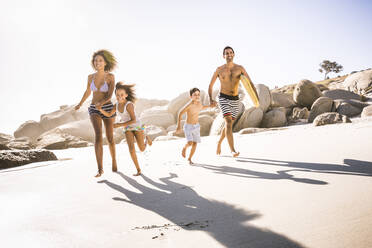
98	105
77	106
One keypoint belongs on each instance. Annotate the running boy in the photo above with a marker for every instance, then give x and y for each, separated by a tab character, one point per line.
191	127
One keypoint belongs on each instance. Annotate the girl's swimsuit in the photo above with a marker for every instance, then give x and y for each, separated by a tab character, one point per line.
125	117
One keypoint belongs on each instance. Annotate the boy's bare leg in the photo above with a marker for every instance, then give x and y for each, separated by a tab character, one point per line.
229	135
193	148
189	143
130	141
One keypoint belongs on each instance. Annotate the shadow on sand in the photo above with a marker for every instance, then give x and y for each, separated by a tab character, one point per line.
180	204
350	167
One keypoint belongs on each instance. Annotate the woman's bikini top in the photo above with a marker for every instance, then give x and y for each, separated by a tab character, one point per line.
104	87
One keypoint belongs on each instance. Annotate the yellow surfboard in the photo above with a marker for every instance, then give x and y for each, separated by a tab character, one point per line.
250	89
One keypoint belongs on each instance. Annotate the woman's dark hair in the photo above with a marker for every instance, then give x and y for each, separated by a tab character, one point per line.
193	90
227	47
108	57
129	89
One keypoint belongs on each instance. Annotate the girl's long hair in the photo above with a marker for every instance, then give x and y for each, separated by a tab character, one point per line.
129	89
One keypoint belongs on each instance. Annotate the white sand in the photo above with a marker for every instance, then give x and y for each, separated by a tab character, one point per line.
301	187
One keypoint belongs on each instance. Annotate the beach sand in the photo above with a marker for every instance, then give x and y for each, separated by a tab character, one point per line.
304	186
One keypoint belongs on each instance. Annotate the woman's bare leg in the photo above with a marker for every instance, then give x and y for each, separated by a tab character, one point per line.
98	148
109	126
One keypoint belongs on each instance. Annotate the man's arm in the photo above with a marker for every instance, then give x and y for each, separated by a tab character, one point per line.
210	88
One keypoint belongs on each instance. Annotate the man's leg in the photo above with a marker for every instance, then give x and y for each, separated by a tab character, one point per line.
229	134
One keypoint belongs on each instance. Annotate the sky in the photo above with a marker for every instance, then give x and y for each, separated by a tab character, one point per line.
167	47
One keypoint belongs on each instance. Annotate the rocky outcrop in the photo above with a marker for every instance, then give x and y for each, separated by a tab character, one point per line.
330	118
31	129
264	96
341	94
305	93
205	122
63	116
57	139
22	143
299	113
282	100
347	109
320	106
367	111
359	82
9	159
157	116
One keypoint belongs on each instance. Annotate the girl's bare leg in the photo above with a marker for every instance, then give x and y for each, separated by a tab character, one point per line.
140	138
130	141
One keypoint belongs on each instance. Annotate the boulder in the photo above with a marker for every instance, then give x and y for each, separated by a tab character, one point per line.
82	129
330	118
177	103
359	82
264	96
3	146
5	137
300	113
142	104
322	87
154	131
9	159
157	116
30	129
21	143
355	103
274	118
63	116
305	93
251	117
367	111
212	112
347	109
320	106
282	100
205	122
341	94
56	139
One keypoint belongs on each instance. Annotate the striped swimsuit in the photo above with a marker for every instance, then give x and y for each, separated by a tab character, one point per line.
229	105
106	107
